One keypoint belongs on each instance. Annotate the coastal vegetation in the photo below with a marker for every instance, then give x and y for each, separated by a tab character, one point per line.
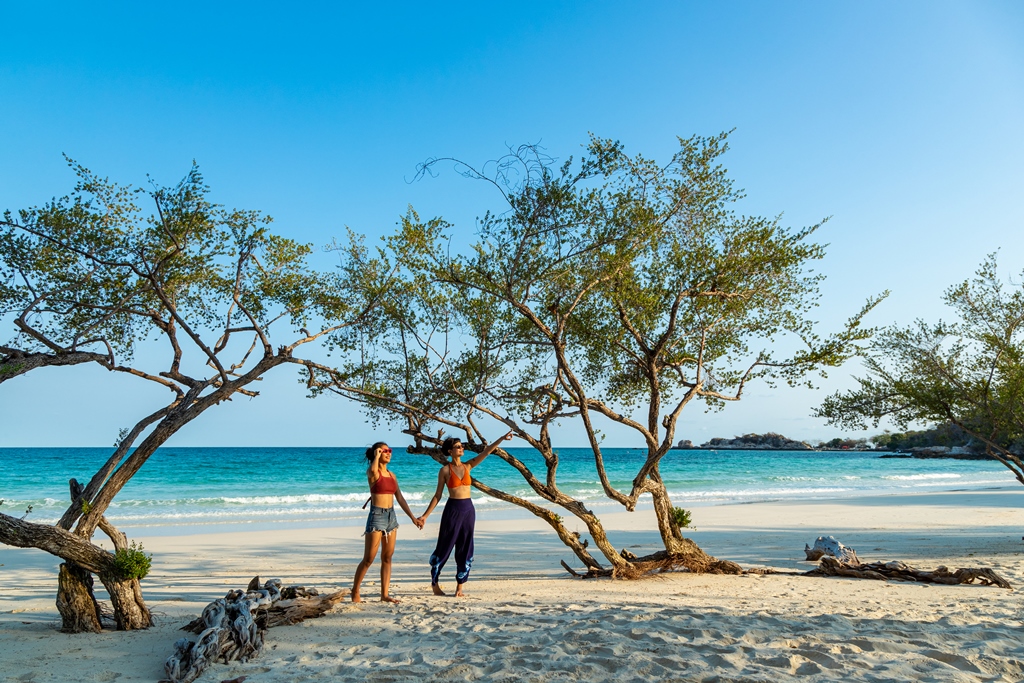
609	290
968	373
88	276
946	435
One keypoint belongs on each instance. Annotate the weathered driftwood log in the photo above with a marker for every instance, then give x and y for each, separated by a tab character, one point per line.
233	627
898	571
828	545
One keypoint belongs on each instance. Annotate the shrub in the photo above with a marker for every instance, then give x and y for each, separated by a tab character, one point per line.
682	517
132	562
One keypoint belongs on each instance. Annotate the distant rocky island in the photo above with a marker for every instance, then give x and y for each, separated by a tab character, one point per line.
940	441
750	442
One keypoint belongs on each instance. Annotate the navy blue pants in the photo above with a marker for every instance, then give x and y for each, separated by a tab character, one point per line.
457	523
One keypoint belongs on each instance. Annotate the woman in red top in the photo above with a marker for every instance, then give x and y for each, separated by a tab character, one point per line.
459	517
382	521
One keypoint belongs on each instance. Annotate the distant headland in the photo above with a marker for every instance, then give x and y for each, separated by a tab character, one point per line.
749	442
912	445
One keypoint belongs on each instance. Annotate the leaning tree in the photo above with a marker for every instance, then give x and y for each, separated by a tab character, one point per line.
94	273
969	372
611	291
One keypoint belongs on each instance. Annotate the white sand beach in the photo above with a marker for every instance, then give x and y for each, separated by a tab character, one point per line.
526	620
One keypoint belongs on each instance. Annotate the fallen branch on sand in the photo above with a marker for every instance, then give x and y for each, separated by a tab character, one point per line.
836	559
898	571
233	627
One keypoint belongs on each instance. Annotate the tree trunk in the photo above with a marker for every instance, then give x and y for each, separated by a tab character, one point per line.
671	535
74	599
79	611
596	530
130	611
681	551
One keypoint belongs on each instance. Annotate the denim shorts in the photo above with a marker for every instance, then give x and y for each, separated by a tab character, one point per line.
381	519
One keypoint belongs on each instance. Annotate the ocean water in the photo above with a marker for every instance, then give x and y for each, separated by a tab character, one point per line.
182	490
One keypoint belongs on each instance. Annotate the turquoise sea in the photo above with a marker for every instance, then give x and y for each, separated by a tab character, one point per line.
183	490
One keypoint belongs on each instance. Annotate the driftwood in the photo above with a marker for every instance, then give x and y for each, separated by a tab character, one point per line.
233	627
898	571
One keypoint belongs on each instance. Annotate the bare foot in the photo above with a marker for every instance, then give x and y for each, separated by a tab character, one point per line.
356	598
437	589
388	598
458	591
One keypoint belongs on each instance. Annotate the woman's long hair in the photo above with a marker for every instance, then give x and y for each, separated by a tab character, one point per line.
447	444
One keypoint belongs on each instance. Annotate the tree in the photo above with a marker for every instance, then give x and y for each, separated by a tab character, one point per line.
209	283
969	373
66	310
609	291
945	434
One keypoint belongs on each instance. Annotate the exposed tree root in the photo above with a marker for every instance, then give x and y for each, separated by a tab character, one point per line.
662	561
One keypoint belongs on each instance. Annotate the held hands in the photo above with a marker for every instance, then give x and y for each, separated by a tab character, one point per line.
420	522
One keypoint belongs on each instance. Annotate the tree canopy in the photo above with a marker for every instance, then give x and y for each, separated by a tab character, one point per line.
969	372
95	273
612	290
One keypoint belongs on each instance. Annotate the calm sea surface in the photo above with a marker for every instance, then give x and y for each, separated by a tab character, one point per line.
208	489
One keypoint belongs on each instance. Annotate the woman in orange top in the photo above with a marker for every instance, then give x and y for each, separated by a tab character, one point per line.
382	521
459	516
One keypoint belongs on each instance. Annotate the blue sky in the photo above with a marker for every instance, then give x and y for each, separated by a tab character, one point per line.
901	121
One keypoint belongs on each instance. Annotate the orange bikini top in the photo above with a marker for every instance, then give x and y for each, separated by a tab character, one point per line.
385	484
454	481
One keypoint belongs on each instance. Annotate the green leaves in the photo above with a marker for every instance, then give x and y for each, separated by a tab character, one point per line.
609	283
968	372
110	265
132	562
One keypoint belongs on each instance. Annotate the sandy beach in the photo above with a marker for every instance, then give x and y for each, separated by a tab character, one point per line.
526	620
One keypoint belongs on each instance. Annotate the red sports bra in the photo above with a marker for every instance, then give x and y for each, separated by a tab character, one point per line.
386	484
454	481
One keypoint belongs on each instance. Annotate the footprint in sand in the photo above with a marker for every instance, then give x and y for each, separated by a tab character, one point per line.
818	658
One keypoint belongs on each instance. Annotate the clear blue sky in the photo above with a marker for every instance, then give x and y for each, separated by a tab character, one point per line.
902	121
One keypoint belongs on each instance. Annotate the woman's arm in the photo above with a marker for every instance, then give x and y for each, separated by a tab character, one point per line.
404	505
487	451
441	477
372	474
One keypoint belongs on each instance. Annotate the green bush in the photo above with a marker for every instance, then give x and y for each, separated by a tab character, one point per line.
682	517
132	563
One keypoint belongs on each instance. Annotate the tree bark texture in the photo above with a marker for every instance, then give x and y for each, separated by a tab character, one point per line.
18	363
130	610
79	611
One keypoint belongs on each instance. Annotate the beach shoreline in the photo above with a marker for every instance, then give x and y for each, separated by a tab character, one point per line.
526	619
